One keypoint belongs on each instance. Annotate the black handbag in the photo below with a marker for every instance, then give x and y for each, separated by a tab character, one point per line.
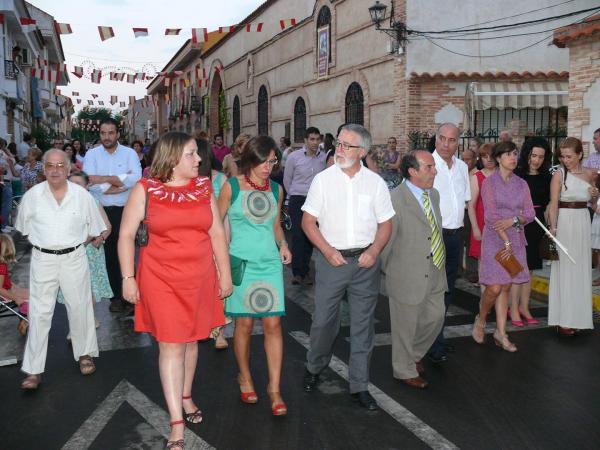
141	235
548	249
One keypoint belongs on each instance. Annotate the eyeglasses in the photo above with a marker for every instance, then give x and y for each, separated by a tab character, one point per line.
345	146
50	166
272	162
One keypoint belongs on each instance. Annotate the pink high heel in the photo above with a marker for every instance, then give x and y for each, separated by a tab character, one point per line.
515	323
529	320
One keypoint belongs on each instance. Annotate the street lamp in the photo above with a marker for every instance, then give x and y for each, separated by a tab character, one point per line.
396	30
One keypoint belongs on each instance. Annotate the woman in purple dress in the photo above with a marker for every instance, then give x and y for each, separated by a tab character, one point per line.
507	205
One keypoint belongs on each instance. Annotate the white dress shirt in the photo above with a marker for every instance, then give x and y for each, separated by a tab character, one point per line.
52	226
123	163
348	209
454	188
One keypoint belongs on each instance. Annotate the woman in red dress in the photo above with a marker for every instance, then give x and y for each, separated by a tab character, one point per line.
475	205
176	291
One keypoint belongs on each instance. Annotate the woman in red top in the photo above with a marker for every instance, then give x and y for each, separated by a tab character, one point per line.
475	205
176	292
9	291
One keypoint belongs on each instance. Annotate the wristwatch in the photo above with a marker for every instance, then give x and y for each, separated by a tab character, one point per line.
516	222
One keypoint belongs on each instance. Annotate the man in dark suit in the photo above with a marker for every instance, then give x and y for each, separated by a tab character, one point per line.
414	263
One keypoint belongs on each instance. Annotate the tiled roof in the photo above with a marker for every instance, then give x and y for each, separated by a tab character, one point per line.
572	32
487	75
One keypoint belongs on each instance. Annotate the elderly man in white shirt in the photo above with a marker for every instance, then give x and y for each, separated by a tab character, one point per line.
452	182
353	208
114	170
58	217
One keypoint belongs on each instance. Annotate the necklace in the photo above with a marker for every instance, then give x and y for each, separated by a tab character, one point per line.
257	187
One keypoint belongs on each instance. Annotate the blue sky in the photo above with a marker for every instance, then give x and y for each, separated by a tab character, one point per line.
124	51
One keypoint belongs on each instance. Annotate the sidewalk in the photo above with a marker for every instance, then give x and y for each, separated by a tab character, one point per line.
540	283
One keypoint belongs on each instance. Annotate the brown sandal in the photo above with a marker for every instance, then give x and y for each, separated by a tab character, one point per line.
31	382
86	365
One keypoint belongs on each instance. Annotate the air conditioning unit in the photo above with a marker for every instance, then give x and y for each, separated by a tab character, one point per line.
26	59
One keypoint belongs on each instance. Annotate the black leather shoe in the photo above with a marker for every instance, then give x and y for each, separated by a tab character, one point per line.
310	381
365	400
450	348
437	359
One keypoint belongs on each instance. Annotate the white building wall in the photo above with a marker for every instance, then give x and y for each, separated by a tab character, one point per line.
433	15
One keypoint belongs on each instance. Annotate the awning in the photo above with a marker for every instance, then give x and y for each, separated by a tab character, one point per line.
537	94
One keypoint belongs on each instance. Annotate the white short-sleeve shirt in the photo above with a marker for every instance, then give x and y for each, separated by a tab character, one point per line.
348	209
454	189
52	226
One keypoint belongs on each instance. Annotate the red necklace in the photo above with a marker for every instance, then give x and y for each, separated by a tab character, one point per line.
257	187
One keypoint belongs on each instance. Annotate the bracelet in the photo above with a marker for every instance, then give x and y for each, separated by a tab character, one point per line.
127	278
507	244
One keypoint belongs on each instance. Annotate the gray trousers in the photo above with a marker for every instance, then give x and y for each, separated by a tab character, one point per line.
362	287
415	327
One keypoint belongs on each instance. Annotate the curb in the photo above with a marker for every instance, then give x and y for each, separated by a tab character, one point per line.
540	286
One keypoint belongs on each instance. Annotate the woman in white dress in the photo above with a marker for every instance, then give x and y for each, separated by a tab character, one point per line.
572	187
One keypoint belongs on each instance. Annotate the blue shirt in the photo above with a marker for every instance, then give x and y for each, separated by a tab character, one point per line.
300	169
123	162
418	193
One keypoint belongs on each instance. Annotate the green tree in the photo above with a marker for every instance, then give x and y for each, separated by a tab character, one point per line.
88	120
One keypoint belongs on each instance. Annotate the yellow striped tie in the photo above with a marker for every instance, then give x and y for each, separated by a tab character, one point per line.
437	245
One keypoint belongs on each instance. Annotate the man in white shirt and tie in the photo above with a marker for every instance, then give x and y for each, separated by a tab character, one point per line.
114	170
452	182
353	209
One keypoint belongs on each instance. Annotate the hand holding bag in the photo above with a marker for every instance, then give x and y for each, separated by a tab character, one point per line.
510	264
548	249
141	235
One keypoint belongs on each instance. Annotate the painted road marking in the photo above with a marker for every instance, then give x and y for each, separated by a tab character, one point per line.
402	415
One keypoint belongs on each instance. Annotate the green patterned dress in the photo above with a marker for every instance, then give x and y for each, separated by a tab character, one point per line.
251	217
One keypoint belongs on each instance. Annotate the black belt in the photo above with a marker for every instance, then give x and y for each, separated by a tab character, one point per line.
353	252
62	251
451	231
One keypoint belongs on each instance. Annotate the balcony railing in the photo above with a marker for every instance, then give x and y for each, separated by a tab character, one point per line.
11	71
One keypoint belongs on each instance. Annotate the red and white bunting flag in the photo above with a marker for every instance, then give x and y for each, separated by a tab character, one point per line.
229	29
199	35
27	21
178	73
172	31
286	23
140	76
96	76
122	104
106	33
90	102
1	19
112	76
63	68
155	100
113	99
75	94
62	28
53	75
119	76
200	83
206	82
78	71
94	95
257	27
36	72
131	99
100	102
140	32
78	101
167	82
130	78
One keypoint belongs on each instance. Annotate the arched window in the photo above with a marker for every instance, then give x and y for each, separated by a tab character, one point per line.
355	104
236	117
324	20
299	120
263	111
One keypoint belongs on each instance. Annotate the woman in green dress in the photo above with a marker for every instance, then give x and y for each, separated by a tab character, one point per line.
258	248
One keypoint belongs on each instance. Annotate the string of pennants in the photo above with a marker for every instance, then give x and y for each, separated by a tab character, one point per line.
114	99
199	35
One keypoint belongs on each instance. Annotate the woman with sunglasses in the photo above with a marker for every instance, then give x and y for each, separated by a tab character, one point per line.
258	248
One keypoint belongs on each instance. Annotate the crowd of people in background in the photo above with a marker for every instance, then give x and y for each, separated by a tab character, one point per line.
185	234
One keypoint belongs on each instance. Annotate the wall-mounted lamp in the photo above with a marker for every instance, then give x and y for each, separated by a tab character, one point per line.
396	30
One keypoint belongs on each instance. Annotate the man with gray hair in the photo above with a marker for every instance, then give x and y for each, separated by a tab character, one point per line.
59	218
353	209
